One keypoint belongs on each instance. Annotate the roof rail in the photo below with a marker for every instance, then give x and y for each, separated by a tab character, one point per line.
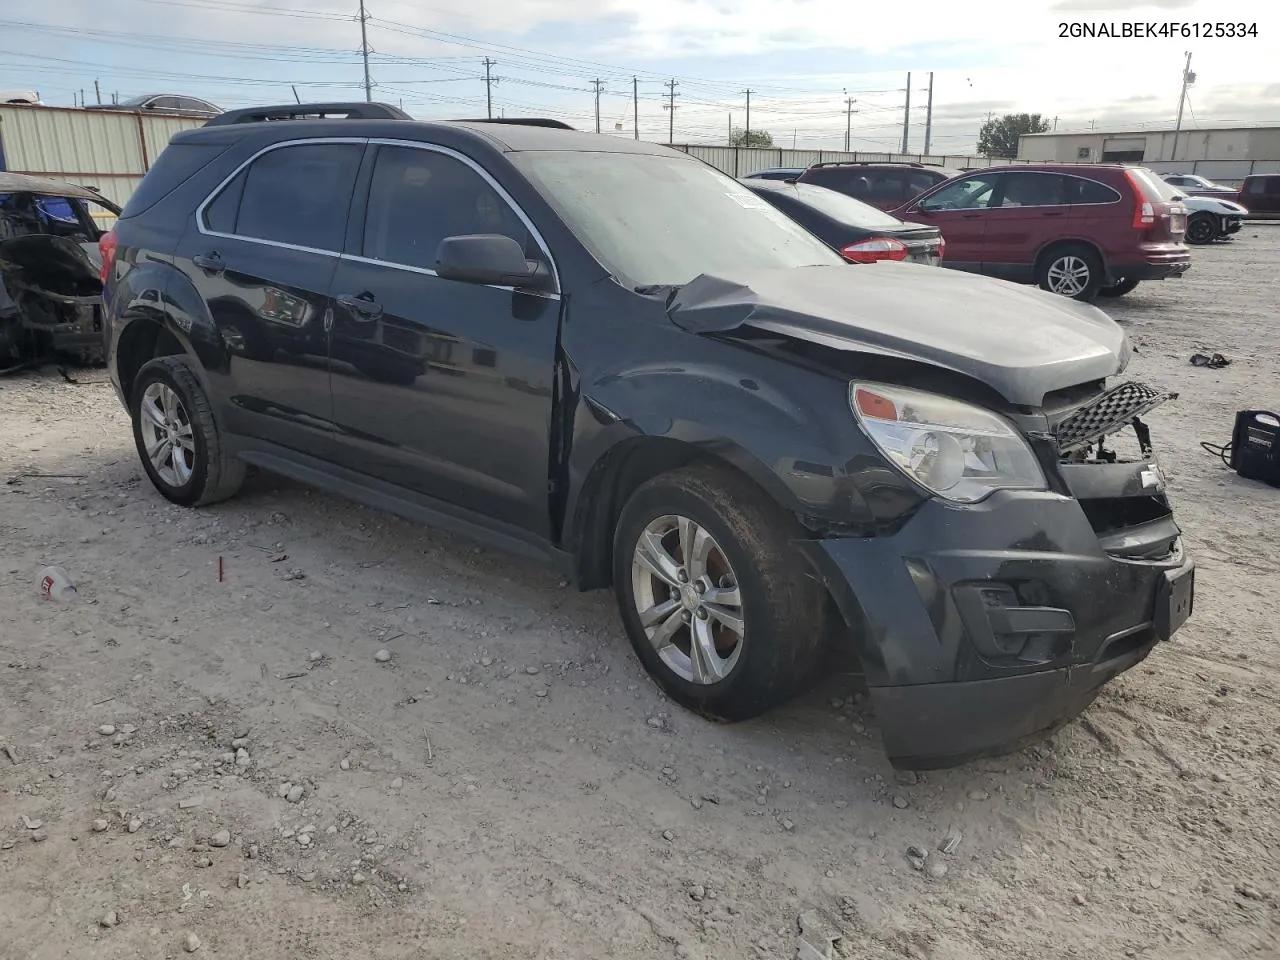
311	111
874	163
522	122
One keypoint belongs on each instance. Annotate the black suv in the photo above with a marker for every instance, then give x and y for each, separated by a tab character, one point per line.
608	354
886	186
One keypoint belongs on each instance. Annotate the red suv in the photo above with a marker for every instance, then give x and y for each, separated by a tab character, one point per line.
883	185
1077	231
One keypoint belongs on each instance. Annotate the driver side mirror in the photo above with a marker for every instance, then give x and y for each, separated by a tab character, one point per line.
489	259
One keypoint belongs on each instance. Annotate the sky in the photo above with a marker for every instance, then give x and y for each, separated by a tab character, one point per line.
803	60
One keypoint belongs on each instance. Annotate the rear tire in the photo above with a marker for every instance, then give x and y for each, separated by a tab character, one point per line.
1203	228
731	544
178	441
1119	288
1071	270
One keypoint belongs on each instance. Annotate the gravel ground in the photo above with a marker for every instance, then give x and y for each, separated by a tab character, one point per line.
236	760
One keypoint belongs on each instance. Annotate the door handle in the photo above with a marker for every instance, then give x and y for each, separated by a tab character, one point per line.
209	262
970	216
362	305
1053	213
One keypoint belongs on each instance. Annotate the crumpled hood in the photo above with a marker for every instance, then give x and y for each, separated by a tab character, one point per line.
1020	341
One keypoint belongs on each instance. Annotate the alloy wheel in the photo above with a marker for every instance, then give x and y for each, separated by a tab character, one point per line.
167	434
1068	276
687	597
1200	230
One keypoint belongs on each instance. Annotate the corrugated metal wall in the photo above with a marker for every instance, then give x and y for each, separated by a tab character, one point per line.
104	149
740	161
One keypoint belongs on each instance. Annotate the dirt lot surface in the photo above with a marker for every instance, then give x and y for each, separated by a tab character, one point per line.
509	784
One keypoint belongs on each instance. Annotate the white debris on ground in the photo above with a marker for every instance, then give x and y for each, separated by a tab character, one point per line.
177	755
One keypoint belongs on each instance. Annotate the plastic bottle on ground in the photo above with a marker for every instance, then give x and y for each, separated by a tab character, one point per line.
55	584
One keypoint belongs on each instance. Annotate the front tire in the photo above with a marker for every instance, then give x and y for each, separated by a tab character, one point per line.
1202	228
1119	288
178	441
1071	270
714	598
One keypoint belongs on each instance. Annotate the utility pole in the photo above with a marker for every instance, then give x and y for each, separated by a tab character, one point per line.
1187	78
1055	124
364	51
928	118
730	140
598	84
848	121
746	136
488	88
670	107
97	92
635	105
906	117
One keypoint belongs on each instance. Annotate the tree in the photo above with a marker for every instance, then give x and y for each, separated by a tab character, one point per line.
750	138
999	137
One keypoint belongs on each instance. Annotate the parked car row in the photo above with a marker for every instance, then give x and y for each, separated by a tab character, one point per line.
1077	231
171	103
1258	196
608	355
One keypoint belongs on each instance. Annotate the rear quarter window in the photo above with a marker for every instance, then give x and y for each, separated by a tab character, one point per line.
177	164
1153	188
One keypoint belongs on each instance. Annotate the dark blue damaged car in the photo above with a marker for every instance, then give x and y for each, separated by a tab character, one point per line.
608	355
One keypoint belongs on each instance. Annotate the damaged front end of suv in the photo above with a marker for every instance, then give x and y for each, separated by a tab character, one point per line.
50	271
1011	546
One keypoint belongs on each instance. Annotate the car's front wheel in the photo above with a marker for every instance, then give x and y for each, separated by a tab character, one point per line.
1202	228
715	600
179	443
1072	271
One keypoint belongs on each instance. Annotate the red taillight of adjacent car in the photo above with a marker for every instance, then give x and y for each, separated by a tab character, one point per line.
107	248
942	248
874	249
1144	211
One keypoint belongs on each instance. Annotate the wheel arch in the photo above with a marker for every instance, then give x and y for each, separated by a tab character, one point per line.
1060	242
621	469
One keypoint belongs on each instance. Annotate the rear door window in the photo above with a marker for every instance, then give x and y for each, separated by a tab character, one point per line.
918	182
850	180
1033	190
296	195
888	186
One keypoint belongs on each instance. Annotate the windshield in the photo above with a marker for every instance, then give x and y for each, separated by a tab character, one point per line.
655	220
136	101
844	208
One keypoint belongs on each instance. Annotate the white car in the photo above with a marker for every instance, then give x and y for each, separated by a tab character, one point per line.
20	96
1212	218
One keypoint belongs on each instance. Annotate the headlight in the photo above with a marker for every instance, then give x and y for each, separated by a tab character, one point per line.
956	450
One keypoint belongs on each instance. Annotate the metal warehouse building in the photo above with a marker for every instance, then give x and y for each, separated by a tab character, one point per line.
1220	153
